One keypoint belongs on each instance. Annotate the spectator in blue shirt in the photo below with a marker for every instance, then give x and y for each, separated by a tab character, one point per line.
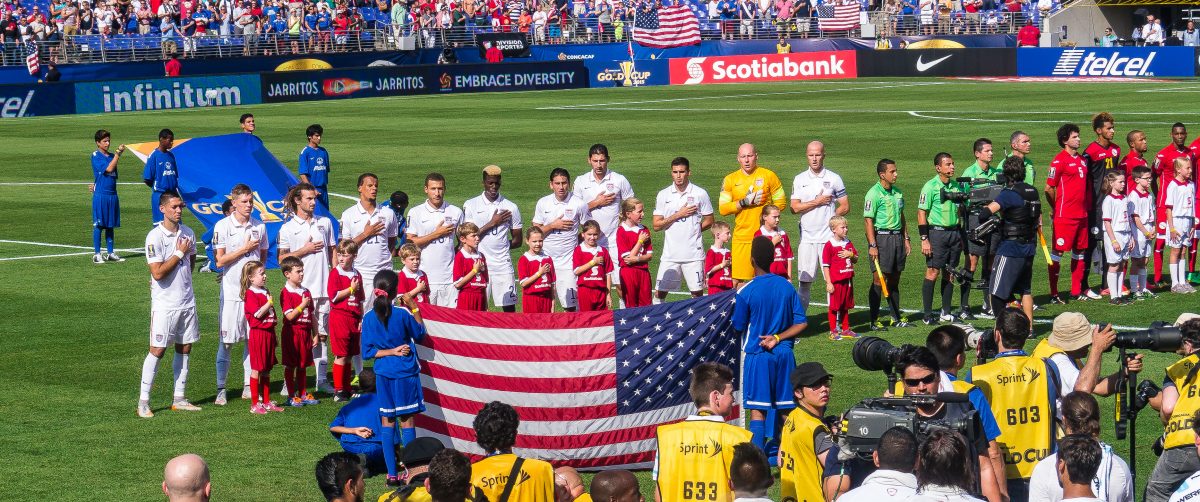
161	173
314	163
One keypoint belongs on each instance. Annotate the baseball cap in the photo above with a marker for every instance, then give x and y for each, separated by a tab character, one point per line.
808	374
1071	331
420	451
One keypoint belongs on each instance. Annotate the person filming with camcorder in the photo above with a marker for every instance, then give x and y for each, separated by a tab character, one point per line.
1016	213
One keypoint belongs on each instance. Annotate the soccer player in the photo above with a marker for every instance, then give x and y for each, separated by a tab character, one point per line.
887	241
247	123
782	264
309	238
1020	144
682	212
373	229
1116	212
604	190
412	281
1136	156
1179	214
717	262
1144	222
499	222
1164	172
1100	156
941	236
299	334
314	163
431	228
592	269
693	456
496	432
470	270
259	309
818	194
161	172
1069	196
979	256
106	208
837	265
559	216
171	253
635	250
769	312
744	193
239	239
535	270
806	440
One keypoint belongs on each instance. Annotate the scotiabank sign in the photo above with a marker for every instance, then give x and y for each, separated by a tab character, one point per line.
764	67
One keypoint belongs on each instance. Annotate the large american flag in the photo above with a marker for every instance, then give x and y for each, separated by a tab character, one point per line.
591	388
838	15
665	27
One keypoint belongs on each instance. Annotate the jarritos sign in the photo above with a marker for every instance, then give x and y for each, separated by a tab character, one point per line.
764	68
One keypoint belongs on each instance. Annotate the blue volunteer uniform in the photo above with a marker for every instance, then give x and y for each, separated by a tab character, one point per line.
397	378
162	174
314	163
106	209
362	411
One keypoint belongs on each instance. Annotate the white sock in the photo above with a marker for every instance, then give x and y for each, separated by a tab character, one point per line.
805	291
180	366
222	364
1142	274
321	362
357	362
654	300
1134	287
1171	268
149	368
246	365
1120	281
1114	287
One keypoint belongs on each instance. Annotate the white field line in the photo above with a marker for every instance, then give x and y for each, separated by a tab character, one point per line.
1186	88
886	85
79	183
85	253
1021	121
47	244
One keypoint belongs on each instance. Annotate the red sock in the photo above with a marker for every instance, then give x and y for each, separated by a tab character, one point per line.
1053	268
845	313
1192	258
1078	272
347	376
1158	260
832	320
254	391
264	380
338	384
301	382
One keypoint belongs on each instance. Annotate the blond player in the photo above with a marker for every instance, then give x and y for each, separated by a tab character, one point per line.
499	223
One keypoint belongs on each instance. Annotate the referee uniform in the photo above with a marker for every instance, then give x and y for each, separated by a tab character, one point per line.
885	208
943	232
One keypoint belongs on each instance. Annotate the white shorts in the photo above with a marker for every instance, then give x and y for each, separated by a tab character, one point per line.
672	274
322	310
808	261
169	327
1186	233
1113	257
616	261
1142	247
565	286
234	328
443	295
502	288
368	277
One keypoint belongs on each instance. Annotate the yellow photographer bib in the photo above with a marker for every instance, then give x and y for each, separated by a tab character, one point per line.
799	469
694	457
1018	388
1044	350
1179	426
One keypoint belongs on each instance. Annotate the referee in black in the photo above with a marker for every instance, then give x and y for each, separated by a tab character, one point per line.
887	241
941	237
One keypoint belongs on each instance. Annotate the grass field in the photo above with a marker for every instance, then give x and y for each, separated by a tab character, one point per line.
74	333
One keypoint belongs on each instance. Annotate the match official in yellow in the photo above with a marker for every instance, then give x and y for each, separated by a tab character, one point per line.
806	441
744	193
1023	391
693	457
496	432
1180	402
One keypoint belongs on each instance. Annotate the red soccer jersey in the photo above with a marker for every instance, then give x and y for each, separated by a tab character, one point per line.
1164	168
840	269
721	279
289	300
1100	157
404	284
463	265
783	251
1195	148
339	280
595	277
528	266
1131	161
1073	196
627	238
254	301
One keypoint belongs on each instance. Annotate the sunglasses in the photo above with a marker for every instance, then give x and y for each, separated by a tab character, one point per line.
913	382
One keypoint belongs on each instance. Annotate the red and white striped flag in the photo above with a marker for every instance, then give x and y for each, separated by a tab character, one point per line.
841	16
591	388
666	27
32	61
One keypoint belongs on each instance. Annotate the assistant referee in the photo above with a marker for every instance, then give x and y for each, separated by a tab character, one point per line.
941	237
887	240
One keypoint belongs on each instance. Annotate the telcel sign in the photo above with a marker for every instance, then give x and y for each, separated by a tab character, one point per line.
764	68
1106	62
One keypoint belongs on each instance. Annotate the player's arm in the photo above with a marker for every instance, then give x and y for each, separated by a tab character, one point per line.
537	274
583	269
226	257
726	204
993	488
266	307
713	267
291	312
466	277
869	227
112	164
1108	230
843	206
160	270
706	222
516	238
342	294
148	172
424	240
1170	217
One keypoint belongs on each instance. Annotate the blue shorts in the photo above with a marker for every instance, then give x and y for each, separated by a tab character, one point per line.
106	210
765	379
399	396
373	450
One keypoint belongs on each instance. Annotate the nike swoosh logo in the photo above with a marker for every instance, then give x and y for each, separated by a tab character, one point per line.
922	66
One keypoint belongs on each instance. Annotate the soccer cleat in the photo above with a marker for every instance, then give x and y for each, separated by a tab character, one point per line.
1187	288
295	402
1116	302
113	257
144	410
849	334
987	314
878	326
325	388
309	400
221	400
1193	277
98	259
183	405
341	396
258	409
246	392
901	322
1092	295
966	315
354	382
834	336
207	268
929	320
946	317
1082	298
271	406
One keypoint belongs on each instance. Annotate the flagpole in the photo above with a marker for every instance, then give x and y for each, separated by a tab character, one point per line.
632	64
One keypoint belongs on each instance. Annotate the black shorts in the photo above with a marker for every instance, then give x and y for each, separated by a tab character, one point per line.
993	240
947	248
891	252
1011	275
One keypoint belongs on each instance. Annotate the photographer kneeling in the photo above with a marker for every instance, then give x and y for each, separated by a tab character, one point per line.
1180	402
1020	214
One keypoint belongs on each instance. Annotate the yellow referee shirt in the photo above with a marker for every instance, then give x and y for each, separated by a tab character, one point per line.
735	187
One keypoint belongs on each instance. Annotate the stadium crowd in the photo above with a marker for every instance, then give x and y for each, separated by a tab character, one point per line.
586	240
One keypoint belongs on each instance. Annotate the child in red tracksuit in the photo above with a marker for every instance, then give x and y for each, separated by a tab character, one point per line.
470	270
782	265
260	315
345	316
592	269
717	260
635	250
299	336
837	265
535	270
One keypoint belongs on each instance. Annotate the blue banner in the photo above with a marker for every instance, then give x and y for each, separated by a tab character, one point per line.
36	100
628	73
1106	62
166	93
350	83
211	166
510	76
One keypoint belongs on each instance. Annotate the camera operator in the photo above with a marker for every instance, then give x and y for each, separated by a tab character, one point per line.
895	458
1190	488
1112	481
941	237
1022	391
919	371
943	472
805	443
1180	402
1021	216
1071	339
980	254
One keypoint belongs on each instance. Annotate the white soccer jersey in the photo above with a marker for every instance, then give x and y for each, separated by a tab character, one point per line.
683	240
1181	198
437	257
814	225
295	234
373	253
230	235
1142	204
560	244
494	245
587	187
1116	210
173	292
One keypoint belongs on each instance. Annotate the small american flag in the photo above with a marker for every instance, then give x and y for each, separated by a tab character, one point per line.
838	15
666	27
591	388
33	60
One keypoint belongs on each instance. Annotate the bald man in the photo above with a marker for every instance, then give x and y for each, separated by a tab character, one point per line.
186	478
568	485
615	486
744	193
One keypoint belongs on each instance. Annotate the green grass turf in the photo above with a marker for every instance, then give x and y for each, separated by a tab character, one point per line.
74	334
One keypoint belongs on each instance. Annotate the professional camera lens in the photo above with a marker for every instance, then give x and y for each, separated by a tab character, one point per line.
874	354
1159	338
